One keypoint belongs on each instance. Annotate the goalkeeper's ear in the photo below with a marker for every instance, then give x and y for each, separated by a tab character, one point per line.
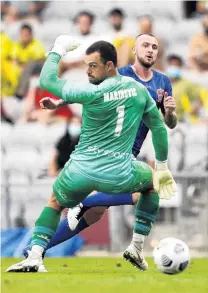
110	66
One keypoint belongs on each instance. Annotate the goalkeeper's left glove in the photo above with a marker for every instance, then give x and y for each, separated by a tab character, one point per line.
163	181
64	44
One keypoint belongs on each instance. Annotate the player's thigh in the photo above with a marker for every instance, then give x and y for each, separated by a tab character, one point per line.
142	176
70	187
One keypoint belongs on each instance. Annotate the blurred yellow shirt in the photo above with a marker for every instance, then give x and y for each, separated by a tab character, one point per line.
35	50
121	39
8	71
187	94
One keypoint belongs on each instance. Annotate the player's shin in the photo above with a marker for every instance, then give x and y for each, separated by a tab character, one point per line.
145	214
64	233
45	228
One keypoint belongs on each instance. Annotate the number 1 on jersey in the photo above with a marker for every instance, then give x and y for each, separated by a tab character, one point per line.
120	120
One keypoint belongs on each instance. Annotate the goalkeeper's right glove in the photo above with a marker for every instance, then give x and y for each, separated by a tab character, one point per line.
163	181
64	44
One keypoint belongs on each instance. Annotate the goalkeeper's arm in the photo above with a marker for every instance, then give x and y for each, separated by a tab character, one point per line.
154	122
49	79
163	180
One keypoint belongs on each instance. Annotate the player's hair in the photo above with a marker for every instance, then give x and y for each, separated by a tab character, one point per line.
144	34
107	51
85	13
27	27
116	11
175	57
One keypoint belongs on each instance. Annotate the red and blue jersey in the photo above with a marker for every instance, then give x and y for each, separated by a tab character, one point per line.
158	82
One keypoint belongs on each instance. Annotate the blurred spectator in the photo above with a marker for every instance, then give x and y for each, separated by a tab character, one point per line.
18	10
4	116
84	23
116	18
32	110
26	53
8	81
198	48
201	9
145	26
4	8
186	93
121	39
65	146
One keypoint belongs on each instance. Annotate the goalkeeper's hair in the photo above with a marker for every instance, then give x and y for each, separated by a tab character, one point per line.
107	51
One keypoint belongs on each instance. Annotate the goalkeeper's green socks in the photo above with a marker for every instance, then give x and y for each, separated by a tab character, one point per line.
146	212
45	228
145	215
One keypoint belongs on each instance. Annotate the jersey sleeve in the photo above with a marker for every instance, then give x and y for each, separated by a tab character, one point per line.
69	91
81	93
150	103
154	122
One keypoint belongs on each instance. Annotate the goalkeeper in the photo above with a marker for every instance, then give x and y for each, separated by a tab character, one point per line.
113	107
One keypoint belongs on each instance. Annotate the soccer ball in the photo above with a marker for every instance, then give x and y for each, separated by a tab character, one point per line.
171	256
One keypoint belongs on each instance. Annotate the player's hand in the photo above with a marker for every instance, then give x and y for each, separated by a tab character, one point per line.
163	181
64	44
49	104
169	104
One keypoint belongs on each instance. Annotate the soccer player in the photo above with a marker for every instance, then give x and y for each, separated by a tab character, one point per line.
113	107
159	87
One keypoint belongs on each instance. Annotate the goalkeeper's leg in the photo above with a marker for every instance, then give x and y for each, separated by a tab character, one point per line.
145	215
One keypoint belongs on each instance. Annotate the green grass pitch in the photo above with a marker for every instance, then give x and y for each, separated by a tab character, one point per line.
103	275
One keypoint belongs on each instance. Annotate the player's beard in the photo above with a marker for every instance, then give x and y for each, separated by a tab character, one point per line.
96	81
145	63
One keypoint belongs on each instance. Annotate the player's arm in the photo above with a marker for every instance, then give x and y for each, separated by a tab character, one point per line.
163	180
68	91
169	106
153	121
49	79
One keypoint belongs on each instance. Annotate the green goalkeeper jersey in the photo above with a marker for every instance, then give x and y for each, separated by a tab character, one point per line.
112	112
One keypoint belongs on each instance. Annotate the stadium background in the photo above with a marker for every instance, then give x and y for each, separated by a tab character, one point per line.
27	148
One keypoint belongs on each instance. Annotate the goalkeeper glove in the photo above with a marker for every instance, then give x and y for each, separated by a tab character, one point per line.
163	181
64	44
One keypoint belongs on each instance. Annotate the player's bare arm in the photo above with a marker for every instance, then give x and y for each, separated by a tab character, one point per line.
170	111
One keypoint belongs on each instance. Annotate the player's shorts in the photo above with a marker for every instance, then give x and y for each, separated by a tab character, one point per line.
71	186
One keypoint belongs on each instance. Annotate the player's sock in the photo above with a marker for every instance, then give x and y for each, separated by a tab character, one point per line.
146	212
45	227
63	232
104	199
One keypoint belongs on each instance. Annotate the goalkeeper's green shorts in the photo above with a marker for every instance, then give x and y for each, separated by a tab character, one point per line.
71	187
